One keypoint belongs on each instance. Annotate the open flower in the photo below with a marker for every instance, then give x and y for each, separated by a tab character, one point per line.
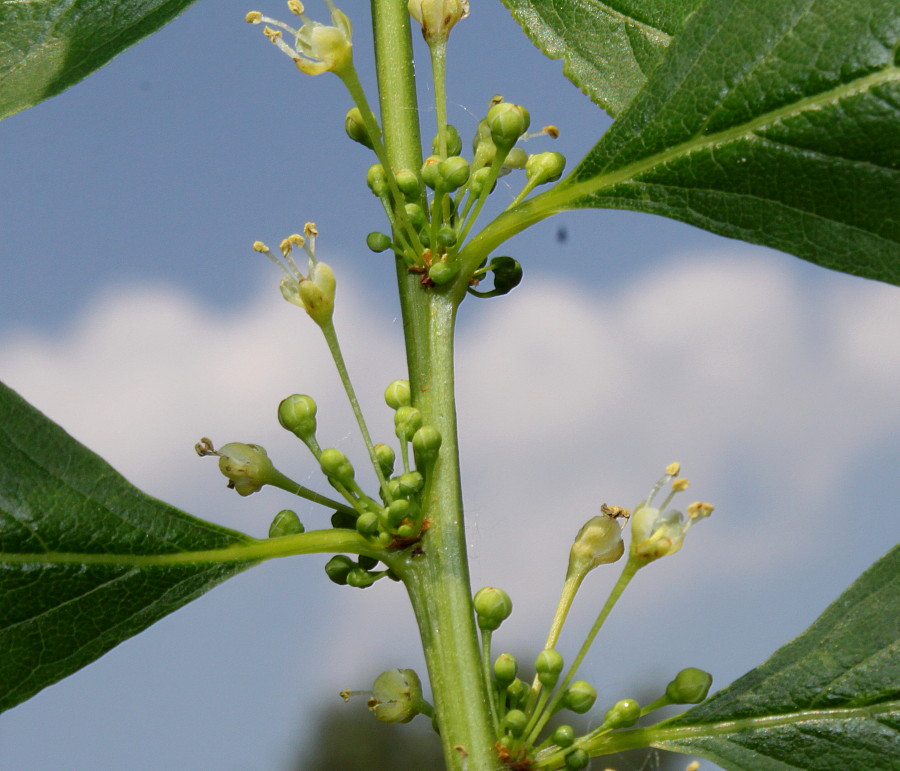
316	47
313	292
657	531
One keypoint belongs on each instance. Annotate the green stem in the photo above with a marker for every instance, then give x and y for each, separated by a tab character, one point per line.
438	50
285	483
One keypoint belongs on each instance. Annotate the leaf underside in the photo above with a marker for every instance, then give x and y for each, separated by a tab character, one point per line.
608	48
828	700
48	45
773	121
77	551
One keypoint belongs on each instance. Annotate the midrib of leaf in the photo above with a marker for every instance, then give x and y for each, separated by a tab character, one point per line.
316	541
564	194
630	21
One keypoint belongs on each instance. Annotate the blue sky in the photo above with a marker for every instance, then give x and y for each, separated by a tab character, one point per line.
133	312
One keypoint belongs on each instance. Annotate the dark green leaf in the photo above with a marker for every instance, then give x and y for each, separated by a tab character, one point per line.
830	699
773	121
86	560
609	48
48	45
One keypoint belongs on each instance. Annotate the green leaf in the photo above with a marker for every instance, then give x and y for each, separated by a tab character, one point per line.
830	699
827	701
609	48
48	45
773	121
86	560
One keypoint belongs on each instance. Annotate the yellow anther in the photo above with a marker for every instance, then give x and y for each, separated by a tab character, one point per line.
259	246
254	17
680	485
551	131
286	246
310	230
700	510
295	7
296	239
273	34
673	469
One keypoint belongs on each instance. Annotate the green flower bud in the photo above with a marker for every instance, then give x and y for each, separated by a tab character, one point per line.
360	579
366	562
355	127
548	665
367	523
454	141
492	607
247	467
507	123
398	511
406	531
286	522
516	158
409	184
447	236
397	696
517	693
507	276
426	442
336	466
341	519
437	17
577	759
515	722
479	179
505	669
453	173
398	395
690	686
385	457
377	181
316	293
416	215
599	541
430	171
580	697
297	413
411	483
563	736
544	167
338	568
443	272
407	420
622	714
378	242
425	236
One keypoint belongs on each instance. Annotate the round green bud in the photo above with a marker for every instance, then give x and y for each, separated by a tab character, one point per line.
393	487
577	759
366	562
385	457
426	442
406	531
407	420
410	483
367	523
360	579
517	693
398	511
492	607
383	539
516	158
425	236
580	697
398	395
548	665
378	242
443	272
447	236
286	522
505	669
454	141
507	274
430	171
297	413
453	173
416	215
396	696
247	467
690	686
515	722
356	127
622	714
598	542
481	178
376	179
409	184
545	167
335	466
341	519
563	736
338	567
507	123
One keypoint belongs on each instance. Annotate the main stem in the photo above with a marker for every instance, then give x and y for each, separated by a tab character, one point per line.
438	579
